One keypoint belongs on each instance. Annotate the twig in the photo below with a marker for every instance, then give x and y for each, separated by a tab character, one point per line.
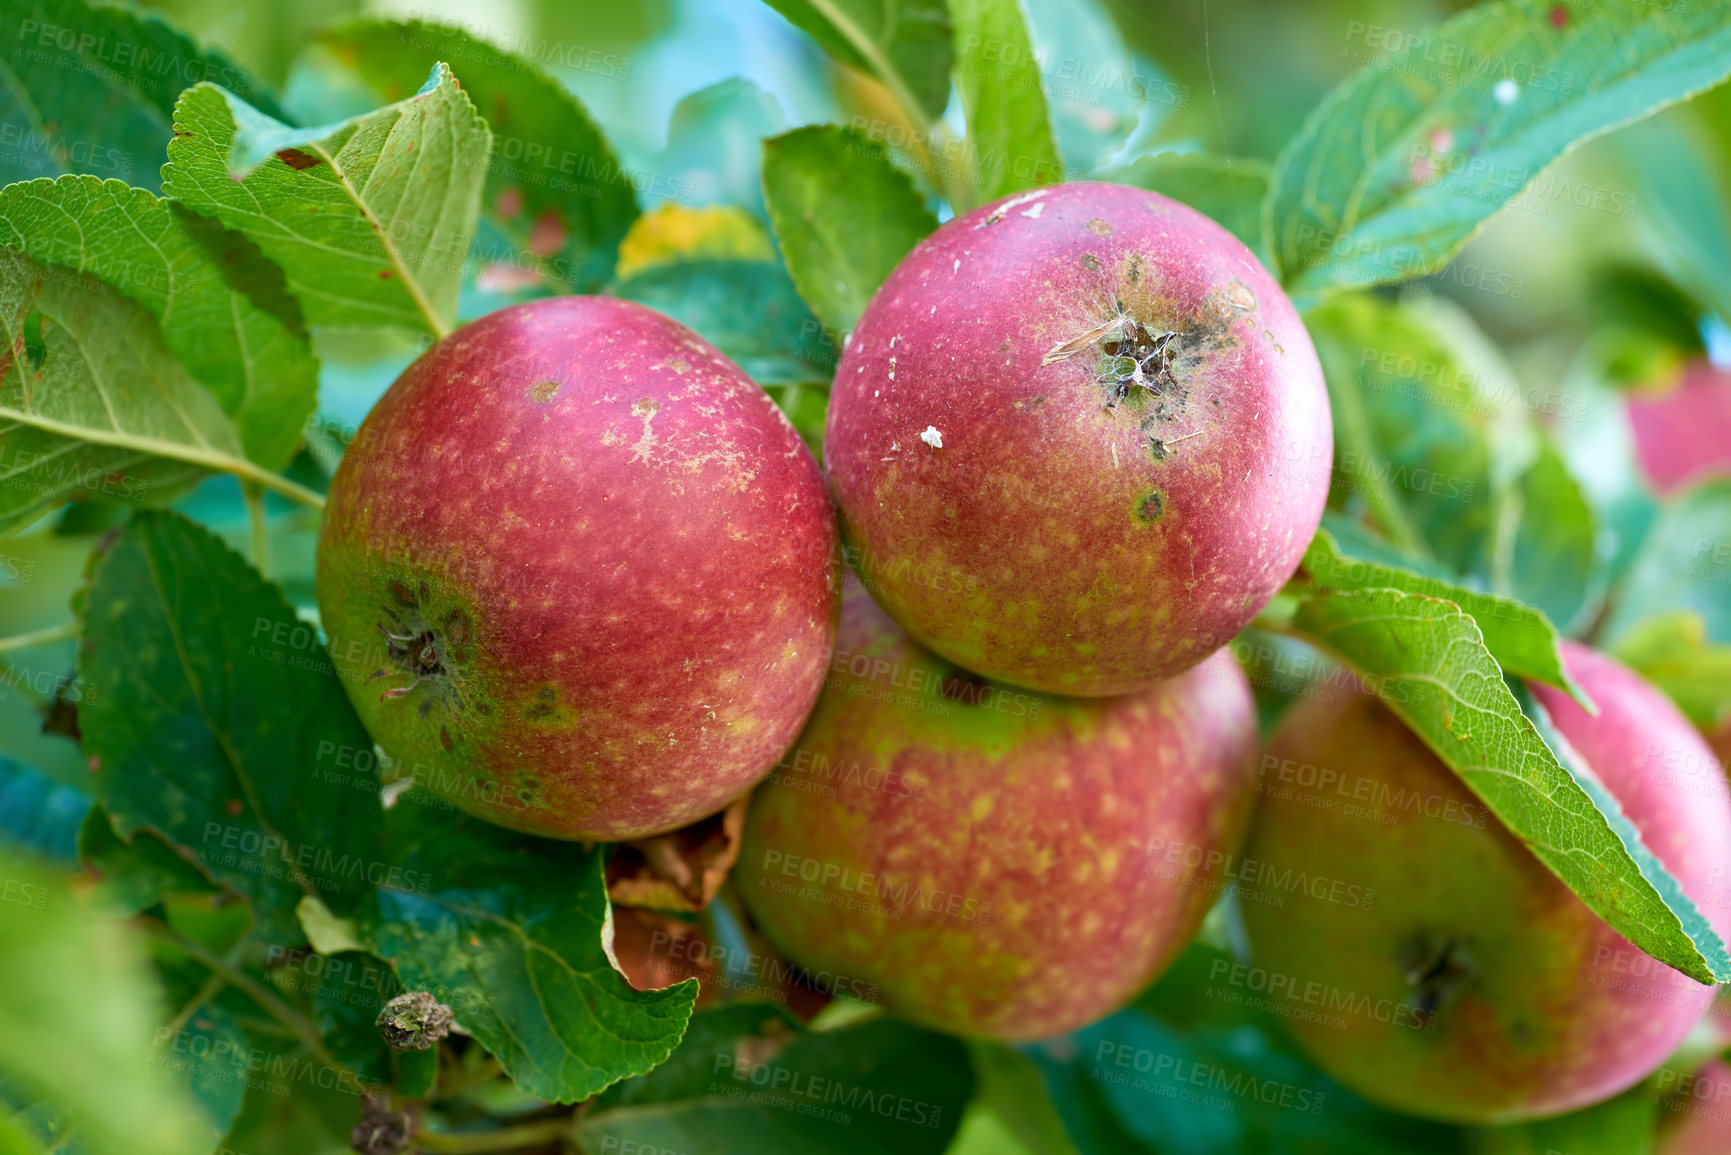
503	1139
297	1023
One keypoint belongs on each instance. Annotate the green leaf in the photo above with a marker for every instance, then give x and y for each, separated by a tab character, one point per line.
1011	1085
223	309
843	217
32	1126
135	875
1397	168
90	88
507	931
346	1015
690	1069
78	1014
744	1080
1228	190
1413	429
210	1056
92	404
1684	564
1009	129
370	219
747	309
1619	1126
1518	636
1682	196
554	187
37	815
314	1120
1553	556
714	147
1096	99
1141	1081
217	702
1426	659
1671	650
904	44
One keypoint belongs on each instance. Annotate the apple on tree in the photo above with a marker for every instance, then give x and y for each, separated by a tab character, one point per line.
1078	439
1477	988
996	862
579	573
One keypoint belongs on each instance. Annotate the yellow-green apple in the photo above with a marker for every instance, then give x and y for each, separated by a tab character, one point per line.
1078	439
1511	999
579	573
996	862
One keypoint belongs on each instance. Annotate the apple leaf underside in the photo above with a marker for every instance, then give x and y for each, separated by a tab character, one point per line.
92	404
370	219
844	217
1397	168
1426	659
1518	636
223	309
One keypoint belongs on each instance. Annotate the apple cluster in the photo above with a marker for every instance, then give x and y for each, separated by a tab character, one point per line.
974	669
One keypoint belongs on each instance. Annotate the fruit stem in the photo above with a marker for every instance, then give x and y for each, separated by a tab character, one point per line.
503	1139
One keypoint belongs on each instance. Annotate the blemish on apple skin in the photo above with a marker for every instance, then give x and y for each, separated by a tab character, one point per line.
1151	507
545	391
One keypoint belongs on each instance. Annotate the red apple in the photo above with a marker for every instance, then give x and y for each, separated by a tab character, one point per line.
579	574
1079	439
1684	434
996	862
1476	988
1695	1111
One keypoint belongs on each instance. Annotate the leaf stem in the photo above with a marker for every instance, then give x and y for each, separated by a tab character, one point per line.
253	495
503	1139
211	459
43	637
297	1023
